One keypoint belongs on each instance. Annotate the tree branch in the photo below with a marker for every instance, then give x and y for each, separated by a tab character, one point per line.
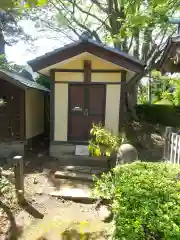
56	29
116	6
130	44
90	14
70	23
99	5
74	18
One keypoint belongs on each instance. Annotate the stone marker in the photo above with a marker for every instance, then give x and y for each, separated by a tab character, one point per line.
125	154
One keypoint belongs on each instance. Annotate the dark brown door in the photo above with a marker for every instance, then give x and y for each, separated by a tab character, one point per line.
86	105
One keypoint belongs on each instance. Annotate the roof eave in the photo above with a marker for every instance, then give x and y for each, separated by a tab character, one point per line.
118	58
11	80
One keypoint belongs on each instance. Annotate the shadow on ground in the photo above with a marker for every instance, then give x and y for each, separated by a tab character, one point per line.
74	234
14	231
28	207
58	230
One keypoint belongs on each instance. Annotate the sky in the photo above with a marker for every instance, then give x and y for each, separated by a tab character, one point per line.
21	52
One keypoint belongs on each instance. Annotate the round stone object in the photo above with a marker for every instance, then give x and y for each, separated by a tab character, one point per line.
126	154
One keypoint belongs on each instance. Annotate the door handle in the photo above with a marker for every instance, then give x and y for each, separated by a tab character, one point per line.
86	112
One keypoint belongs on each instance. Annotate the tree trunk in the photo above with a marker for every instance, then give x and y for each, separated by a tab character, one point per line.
2	48
2	43
131	97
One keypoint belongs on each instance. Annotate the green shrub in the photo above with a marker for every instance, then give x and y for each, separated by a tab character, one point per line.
166	115
103	142
145	200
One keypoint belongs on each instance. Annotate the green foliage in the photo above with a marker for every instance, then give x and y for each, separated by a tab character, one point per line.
164	102
4	185
10	66
166	115
7	191
43	81
162	88
9	4
166	95
145	200
142	94
176	94
103	142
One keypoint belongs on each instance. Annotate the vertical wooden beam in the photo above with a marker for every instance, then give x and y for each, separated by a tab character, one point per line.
87	71
52	103
122	100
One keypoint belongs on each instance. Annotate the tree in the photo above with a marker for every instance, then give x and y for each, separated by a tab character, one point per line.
10	12
12	4
138	27
163	88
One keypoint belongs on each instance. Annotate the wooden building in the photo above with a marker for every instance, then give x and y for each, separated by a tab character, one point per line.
88	84
21	112
170	60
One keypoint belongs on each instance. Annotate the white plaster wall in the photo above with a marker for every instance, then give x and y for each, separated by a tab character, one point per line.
34	107
61	112
112	107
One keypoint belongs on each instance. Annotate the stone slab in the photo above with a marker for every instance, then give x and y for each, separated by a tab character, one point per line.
85	161
82	150
84	169
76	194
73	175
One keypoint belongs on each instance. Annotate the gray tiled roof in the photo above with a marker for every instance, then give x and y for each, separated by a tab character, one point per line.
17	79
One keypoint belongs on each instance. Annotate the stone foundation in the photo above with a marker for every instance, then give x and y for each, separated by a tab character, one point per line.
11	149
65	153
57	150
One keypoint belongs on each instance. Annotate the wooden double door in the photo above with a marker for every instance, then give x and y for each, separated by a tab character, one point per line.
86	106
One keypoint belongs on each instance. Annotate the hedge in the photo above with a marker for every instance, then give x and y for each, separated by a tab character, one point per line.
162	114
144	199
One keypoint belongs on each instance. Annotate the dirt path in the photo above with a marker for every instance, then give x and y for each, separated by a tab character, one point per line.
59	215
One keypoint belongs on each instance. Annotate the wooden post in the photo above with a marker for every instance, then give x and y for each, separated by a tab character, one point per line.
19	178
122	100
167	143
87	71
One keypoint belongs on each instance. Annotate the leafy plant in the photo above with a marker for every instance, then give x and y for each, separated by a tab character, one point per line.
4	185
8	4
142	94
7	191
145	200
103	142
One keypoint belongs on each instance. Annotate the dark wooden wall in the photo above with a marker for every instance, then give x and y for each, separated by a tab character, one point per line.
12	113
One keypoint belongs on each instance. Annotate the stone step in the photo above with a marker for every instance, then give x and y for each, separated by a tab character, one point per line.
73	175
84	169
74	194
87	161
